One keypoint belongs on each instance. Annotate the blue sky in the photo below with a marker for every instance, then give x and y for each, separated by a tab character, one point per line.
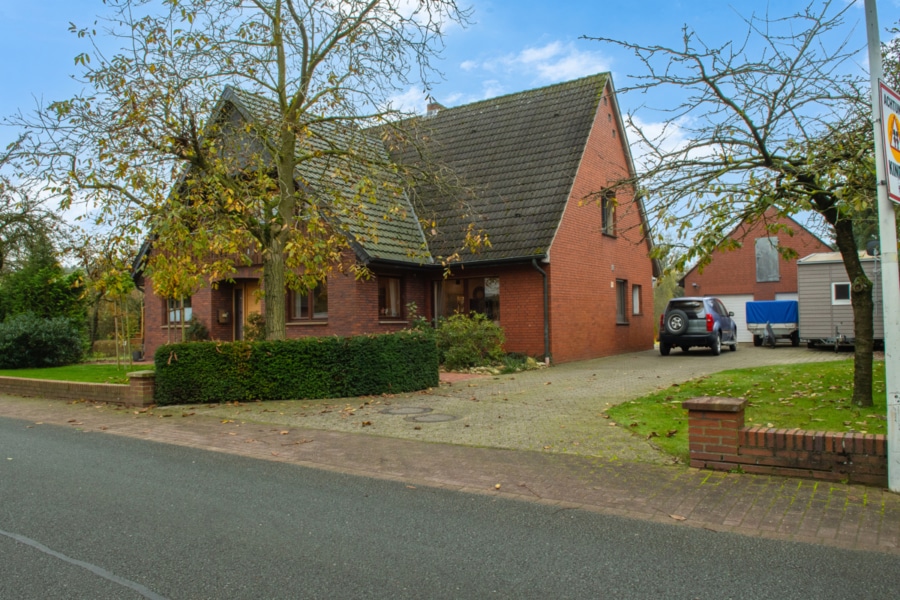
512	45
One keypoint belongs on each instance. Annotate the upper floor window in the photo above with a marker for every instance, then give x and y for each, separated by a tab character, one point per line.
767	260
608	212
389	301
310	305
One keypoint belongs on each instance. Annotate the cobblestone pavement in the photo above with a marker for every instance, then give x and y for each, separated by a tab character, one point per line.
555	410
608	470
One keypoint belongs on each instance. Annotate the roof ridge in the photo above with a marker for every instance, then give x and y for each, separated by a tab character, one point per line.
603	75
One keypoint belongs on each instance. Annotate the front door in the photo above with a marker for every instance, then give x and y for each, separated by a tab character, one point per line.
239	313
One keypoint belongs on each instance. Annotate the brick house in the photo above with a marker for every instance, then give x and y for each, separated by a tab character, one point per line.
567	274
754	270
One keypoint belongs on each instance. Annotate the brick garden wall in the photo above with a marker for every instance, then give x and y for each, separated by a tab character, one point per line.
138	392
719	441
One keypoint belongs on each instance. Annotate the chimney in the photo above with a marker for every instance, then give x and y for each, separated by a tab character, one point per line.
433	108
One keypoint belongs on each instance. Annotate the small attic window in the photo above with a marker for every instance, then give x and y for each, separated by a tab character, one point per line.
614	133
605	101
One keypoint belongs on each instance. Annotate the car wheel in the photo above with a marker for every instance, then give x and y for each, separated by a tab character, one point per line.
717	345
676	322
757	340
664	348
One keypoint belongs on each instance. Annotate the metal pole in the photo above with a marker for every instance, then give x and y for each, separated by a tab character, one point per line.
890	274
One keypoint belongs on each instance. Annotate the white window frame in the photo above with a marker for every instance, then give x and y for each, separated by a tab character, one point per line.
835	301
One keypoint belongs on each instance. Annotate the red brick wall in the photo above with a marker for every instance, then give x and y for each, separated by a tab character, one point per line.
585	263
734	271
719	441
352	310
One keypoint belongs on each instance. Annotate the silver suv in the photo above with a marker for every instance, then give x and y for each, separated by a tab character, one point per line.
695	321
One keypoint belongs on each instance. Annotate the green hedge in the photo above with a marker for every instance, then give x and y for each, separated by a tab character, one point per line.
329	367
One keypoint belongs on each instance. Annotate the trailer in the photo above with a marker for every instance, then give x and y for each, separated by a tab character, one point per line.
824	292
773	320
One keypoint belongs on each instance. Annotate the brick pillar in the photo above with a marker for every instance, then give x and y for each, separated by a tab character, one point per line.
714	423
142	385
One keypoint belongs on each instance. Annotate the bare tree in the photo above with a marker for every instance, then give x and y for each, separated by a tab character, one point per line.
24	216
777	120
140	145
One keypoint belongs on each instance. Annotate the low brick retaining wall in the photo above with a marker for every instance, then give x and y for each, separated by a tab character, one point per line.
138	392
719	440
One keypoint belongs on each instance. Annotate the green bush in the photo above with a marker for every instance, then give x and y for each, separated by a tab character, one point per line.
27	341
331	367
196	331
466	341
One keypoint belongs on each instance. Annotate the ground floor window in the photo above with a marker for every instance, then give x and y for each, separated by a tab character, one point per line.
475	294
178	310
635	299
621	301
312	304
389	301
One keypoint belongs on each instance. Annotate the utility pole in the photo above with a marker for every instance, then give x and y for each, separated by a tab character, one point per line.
890	275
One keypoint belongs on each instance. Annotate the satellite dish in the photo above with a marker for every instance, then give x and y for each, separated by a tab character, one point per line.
872	248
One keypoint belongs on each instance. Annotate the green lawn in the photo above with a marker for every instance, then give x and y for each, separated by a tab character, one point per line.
86	373
812	396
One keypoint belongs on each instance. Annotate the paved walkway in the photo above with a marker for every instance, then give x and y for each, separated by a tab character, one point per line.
641	486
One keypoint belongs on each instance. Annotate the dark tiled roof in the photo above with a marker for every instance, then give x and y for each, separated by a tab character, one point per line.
515	158
389	229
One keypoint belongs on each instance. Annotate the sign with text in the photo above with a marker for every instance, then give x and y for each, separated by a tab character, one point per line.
890	133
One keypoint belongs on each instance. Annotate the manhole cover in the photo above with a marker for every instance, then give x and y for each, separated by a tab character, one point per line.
432	418
406	410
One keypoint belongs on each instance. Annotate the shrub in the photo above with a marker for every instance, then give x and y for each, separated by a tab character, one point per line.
255	330
196	331
331	367
27	341
466	341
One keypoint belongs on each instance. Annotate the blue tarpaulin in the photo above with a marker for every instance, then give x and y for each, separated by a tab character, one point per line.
772	311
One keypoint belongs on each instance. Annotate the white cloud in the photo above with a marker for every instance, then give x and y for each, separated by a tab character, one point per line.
410	101
669	136
551	63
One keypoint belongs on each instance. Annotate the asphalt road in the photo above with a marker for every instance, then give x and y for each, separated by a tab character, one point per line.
84	515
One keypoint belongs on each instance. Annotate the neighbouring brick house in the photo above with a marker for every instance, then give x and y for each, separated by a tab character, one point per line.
754	270
567	274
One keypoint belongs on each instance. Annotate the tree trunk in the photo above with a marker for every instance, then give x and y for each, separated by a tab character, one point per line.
274	289
863	310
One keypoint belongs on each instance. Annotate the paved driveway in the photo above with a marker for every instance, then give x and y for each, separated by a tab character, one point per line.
549	410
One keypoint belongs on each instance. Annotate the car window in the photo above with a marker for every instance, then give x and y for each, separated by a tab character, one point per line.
693	308
722	309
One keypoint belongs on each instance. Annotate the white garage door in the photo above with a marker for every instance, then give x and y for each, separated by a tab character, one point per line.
786	296
738	305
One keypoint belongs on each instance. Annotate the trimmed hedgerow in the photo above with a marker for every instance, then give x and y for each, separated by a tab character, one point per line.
329	367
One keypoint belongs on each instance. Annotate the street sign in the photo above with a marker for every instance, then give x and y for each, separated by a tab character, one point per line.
890	134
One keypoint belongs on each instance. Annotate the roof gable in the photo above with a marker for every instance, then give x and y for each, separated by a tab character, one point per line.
748	225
